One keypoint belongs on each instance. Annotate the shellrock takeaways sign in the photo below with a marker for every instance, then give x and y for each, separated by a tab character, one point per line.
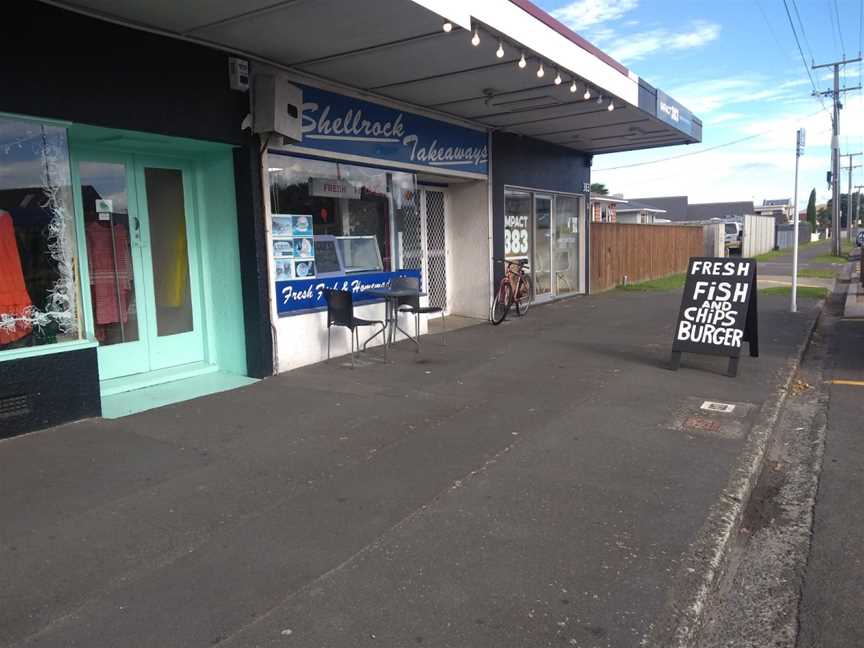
718	310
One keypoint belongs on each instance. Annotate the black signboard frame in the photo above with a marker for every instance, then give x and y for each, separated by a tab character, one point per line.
718	310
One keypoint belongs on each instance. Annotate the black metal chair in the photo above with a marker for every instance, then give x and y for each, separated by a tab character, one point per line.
411	305
340	312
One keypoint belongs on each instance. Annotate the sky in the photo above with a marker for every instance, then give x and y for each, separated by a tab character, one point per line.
735	65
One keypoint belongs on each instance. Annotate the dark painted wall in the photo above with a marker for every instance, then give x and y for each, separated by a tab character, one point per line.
525	162
62	65
47	390
253	258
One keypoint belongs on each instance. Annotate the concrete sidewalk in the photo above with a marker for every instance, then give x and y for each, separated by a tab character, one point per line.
533	484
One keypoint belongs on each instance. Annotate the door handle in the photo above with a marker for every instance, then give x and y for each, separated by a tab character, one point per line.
136	230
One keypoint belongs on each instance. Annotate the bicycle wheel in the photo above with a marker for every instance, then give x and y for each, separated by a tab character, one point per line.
501	304
523	294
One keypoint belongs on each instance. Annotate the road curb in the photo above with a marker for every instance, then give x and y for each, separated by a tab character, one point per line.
705	562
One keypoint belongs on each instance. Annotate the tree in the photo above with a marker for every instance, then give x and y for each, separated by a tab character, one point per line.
823	216
811	210
599	188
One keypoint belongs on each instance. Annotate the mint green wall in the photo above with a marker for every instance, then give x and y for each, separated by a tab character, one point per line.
220	255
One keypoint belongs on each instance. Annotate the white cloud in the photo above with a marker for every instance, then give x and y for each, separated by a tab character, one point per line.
704	97
759	168
722	118
639	45
585	13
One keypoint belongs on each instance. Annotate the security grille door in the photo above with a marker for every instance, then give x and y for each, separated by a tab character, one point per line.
411	237
435	270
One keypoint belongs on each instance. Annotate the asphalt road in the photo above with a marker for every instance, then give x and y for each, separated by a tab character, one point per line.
831	607
533	484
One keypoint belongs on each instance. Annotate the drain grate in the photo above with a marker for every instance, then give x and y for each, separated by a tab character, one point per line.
14	406
712	406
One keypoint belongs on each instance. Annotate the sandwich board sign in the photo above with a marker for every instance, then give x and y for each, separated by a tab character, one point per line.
718	310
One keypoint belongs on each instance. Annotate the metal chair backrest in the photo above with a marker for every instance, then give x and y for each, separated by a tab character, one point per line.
340	308
407	283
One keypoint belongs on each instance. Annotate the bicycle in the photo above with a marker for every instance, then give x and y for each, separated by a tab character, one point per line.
514	289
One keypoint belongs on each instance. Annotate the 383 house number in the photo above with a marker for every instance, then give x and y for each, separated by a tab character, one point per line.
515	241
515	235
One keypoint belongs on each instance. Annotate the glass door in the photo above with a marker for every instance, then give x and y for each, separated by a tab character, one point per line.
565	245
542	246
143	273
112	231
171	264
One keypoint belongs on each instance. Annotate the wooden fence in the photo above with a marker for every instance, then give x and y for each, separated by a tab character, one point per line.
640	252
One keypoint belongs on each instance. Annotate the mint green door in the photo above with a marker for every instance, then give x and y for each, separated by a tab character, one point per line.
111	227
143	306
165	192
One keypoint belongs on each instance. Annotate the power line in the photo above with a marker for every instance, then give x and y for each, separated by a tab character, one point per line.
780	47
801	52
839	28
833	24
803	31
860	25
705	150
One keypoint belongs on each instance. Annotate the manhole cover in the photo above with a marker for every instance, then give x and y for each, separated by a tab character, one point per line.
700	417
713	406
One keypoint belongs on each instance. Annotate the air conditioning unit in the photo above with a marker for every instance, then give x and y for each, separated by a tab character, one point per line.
277	107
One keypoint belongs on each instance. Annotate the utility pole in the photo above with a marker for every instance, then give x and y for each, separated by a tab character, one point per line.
799	150
858	203
835	148
849	200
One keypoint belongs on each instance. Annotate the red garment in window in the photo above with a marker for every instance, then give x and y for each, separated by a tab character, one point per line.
14	298
108	278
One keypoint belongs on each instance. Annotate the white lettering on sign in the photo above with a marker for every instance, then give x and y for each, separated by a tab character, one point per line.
352	126
434	154
672	111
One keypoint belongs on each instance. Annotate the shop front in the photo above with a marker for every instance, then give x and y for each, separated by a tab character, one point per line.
544	228
540	212
370	193
120	268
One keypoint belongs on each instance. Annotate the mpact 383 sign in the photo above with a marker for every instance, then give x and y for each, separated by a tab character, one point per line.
516	243
718	310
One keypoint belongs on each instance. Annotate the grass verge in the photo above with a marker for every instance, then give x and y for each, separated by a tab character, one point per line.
817	273
672	282
804	292
773	254
828	258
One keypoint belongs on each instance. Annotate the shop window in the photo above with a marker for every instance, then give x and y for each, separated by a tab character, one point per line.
345	200
38	269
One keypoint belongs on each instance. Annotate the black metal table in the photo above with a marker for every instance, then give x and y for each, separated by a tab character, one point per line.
391	300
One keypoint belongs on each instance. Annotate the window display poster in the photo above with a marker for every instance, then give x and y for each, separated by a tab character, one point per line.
515	236
283	248
303	248
284	269
293	246
283	226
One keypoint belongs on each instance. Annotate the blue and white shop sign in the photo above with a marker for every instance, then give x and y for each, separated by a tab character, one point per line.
673	113
340	124
308	294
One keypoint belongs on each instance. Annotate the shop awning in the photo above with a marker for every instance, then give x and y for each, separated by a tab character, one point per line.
397	50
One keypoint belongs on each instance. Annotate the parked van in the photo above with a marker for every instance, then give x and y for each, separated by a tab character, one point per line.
733	233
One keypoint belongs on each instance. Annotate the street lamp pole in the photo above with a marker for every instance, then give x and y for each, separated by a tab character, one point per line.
799	150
